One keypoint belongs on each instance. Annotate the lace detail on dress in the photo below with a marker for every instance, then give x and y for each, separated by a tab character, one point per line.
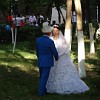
64	78
61	45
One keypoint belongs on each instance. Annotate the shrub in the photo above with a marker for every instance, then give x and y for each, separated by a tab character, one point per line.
26	33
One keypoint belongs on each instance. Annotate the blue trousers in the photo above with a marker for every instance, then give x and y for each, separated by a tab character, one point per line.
44	74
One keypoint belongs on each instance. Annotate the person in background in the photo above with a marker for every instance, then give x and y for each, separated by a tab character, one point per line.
7	27
22	20
17	21
32	20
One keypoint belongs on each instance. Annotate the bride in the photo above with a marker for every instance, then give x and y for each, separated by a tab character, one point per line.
64	78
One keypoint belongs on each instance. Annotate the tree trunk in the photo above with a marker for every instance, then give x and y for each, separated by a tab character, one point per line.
59	17
91	31
68	34
81	46
62	16
49	11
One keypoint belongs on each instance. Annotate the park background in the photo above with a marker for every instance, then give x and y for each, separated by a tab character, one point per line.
19	71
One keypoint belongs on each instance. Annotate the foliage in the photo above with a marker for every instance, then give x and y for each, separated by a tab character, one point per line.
29	32
5	36
27	7
26	33
72	55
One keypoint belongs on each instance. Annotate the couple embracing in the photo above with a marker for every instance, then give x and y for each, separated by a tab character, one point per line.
58	73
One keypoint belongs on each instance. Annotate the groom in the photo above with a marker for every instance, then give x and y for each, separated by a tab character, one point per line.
46	52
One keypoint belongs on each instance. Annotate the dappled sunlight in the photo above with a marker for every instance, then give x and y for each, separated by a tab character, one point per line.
92	65
24	60
91	56
21	66
27	55
2	51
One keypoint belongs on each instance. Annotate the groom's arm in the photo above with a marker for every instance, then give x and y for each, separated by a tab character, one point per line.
54	50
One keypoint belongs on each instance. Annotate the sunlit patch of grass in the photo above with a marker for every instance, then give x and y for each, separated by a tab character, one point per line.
23	59
22	65
92	59
91	56
27	55
2	52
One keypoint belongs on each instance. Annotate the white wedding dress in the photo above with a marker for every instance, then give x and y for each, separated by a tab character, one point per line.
64	78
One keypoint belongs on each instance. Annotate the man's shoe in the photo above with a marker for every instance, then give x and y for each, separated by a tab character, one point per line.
42	94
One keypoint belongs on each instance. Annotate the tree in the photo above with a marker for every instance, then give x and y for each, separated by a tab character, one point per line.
4	8
68	35
92	31
80	37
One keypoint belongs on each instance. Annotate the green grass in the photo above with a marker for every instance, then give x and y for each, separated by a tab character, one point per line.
19	74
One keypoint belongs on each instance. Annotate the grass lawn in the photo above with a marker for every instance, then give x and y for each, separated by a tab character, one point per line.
19	74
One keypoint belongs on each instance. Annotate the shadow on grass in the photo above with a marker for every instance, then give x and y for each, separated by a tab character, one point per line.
93	64
24	57
93	76
16	84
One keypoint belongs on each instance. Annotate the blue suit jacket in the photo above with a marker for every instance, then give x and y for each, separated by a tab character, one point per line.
46	51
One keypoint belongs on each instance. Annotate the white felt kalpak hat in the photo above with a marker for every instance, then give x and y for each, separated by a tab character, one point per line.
46	28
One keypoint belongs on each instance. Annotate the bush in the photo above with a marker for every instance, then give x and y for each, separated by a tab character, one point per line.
26	33
5	36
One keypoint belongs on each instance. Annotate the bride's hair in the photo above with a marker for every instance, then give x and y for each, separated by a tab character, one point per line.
60	33
56	26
